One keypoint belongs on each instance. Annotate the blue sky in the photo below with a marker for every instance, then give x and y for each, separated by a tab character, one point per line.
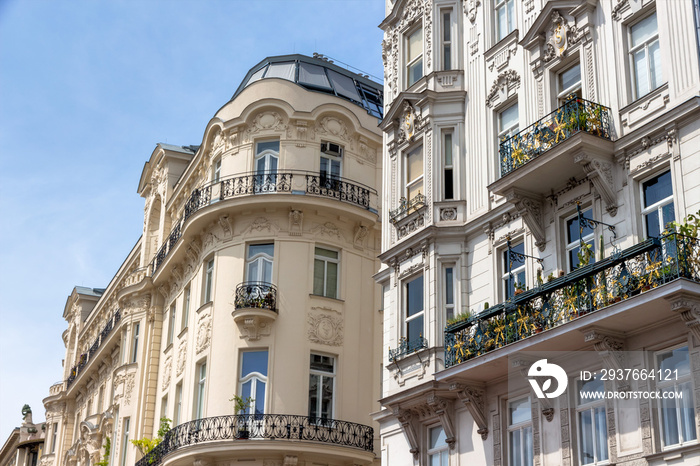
87	88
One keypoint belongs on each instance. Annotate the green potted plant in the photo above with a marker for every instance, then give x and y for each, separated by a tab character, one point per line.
240	406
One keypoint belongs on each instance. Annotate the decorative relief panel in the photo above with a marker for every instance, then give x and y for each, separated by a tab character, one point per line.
326	330
327	229
296	219
203	333
167	372
181	358
505	85
560	36
261	224
265	121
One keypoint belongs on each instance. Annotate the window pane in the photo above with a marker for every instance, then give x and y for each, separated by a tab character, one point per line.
415	189
414	296
594	385
255	249
652	223
519	411
570	78
327	253
327	398
281	70
501	20
508	118
414	164
668	214
267	271
601	431
669	419
527	446
585	426
319	272
446	58
437	437
344	86
655	64
313	75
657	189
515	448
259	396
254	361
415	44
677	359
414	328
246	389
332	280
415	71
643	30
253	271
449	285
446	24
640	72
322	363
268	145
448	149
687	412
510	5
314	381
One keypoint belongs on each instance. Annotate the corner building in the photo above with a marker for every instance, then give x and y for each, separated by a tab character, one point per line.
253	277
534	153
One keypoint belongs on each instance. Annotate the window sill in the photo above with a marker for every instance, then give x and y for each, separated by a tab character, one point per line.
513	35
643	100
167	348
182	333
675	452
337	300
206	305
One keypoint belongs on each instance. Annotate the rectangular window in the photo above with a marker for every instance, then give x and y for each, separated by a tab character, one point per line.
330	172
576	233
201	383
216	171
645	56
135	345
438	451
414	57
321	387
677	414
414	306
520	452
326	273
447	40
569	83
657	204
253	379
508	123
54	437
449	293
178	405
185	308
259	263
505	18
125	440
171	326
208	281
592	423
414	172
101	399
513	270
448	163
164	407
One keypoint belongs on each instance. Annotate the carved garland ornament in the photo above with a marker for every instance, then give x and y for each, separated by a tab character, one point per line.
505	83
326	330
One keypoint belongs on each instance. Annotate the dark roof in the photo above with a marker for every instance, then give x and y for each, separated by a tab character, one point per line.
319	75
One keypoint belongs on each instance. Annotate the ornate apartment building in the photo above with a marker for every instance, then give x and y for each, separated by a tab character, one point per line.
253	278
534	154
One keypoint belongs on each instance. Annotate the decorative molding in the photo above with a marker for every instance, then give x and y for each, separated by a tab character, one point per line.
601	175
501	59
448	214
621	7
687	306
255	327
560	36
413	223
327	229
302	132
470	8
261	224
203	334
366	152
610	348
325	329
226	226
474	399
531	210
504	85
361	233
335	127
265	121
181	358
296	219
405	418
167	372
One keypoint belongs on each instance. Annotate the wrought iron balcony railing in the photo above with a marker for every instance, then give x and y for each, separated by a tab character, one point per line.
406	206
257	295
86	357
261	426
407	347
575	115
250	184
640	268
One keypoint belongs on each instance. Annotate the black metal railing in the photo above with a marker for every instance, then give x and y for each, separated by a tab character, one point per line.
250	184
407	206
589	288
337	188
240	428
86	357
407	347
258	295
575	115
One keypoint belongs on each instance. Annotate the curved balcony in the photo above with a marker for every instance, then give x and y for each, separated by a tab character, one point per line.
248	428
651	264
293	182
256	295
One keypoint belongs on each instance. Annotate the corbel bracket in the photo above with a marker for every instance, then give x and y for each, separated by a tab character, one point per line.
474	399
530	208
600	173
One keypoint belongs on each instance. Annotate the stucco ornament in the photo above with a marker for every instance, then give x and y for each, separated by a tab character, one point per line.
203	334
326	330
181	358
560	36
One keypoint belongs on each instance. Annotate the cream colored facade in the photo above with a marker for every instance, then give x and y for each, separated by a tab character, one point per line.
487	160
253	277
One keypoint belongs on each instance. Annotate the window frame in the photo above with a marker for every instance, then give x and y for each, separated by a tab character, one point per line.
405	308
634	83
505	276
135	341
262	259
208	280
510	19
177	412
443	449
450	308
446	38
657	206
200	390
171	323
322	375
126	427
411	62
576	88
448	165
257	378
572	244
674	385
216	170
520	426
186	301
419	180
590	406
268	155
328	180
54	437
326	260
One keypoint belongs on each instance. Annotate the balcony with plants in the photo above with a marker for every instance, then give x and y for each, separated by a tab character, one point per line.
669	262
554	147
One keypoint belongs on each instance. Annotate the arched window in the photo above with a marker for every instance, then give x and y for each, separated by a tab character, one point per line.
253	380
